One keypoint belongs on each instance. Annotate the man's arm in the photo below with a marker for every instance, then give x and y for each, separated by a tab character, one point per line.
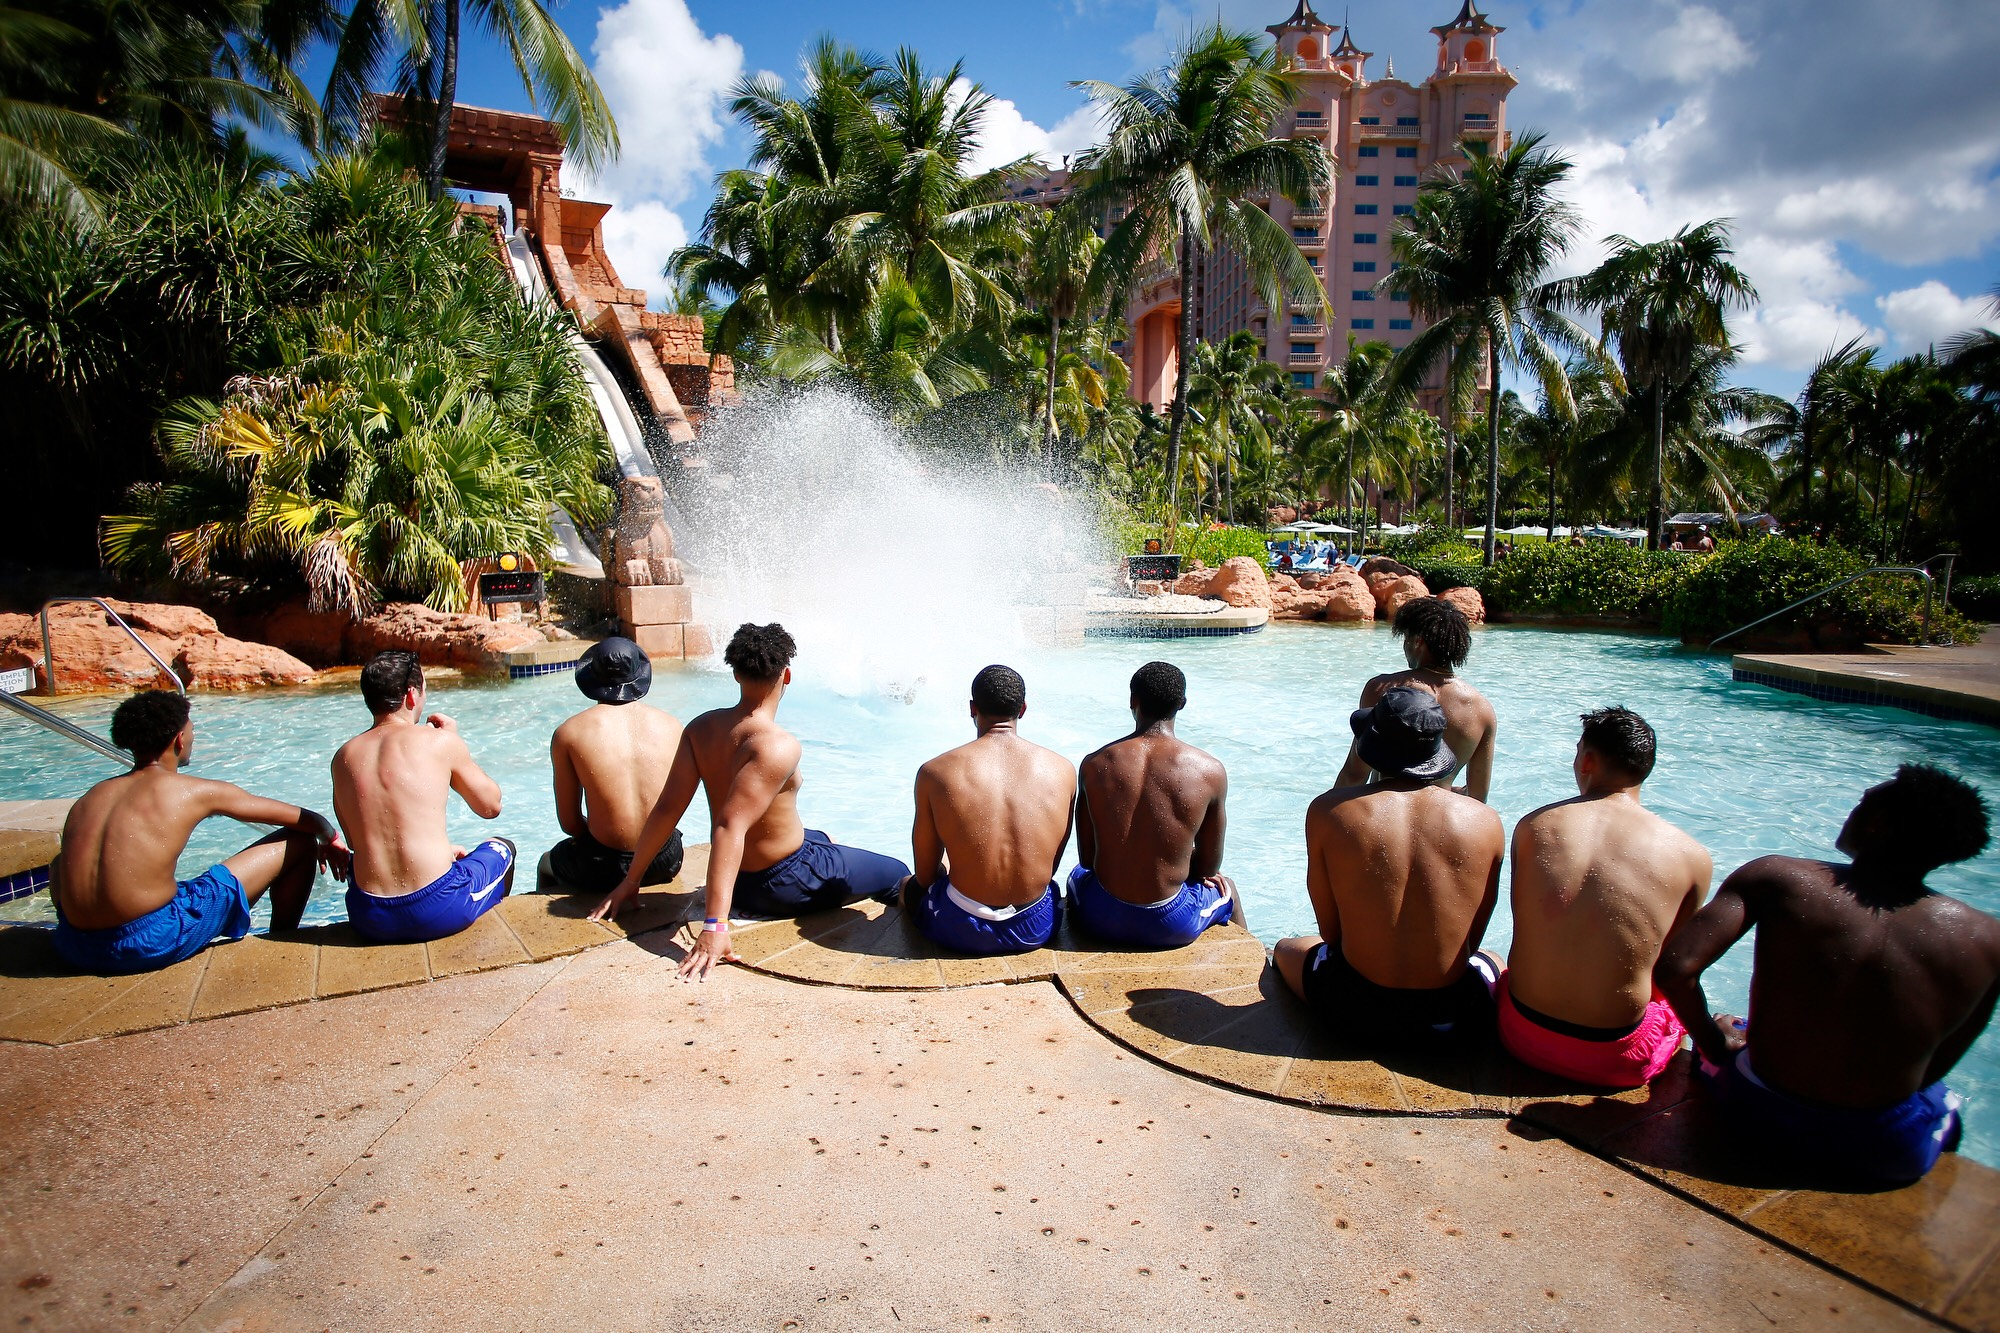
1086	832
1207	862
569	789
1491	898
682	780
1319	887
748	799
1954	1047
480	793
1069	816
1479	768
1694	947
1354	772
926	847
226	798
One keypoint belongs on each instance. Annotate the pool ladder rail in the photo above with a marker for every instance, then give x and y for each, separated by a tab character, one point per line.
62	726
1913	571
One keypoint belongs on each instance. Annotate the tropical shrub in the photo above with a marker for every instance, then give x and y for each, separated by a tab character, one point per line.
1746	580
1978	597
1598	579
1212	546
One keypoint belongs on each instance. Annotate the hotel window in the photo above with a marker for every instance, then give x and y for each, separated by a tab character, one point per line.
1363	294
1406	120
1364	266
1367	210
1405	182
1302	379
1477	116
1399	296
1401	324
1117	213
1406	152
1305	233
1303	321
1370	150
1363	323
1367	180
1364	238
1305	349
1403	210
1371	120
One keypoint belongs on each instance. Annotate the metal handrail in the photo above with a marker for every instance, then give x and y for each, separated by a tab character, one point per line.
1950	559
49	656
1915	570
64	728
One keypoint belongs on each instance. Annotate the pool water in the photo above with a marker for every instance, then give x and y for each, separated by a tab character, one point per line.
1746	769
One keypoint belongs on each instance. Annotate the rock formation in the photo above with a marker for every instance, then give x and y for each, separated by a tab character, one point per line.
1240	582
1393	590
438	638
1336	596
91	653
1467	600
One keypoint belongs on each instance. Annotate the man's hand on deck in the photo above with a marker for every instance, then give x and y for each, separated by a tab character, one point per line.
711	947
616	901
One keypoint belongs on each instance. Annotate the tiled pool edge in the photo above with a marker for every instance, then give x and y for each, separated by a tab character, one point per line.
1851	694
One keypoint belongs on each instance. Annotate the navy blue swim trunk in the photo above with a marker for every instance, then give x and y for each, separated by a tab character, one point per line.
473	886
210	904
819	876
1165	925
1889	1147
956	922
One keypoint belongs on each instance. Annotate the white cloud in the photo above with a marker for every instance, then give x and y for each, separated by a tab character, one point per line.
1005	135
1698	45
666	81
1930	313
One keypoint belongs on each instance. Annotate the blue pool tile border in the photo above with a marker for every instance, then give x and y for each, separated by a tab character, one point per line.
24	884
524	671
1847	694
1167	631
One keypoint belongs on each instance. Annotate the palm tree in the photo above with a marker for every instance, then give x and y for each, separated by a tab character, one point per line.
1186	149
1800	425
420	41
1059	246
1473	256
1357	393
1232	383
1556	442
1661	303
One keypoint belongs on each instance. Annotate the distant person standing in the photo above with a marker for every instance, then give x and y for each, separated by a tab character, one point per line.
1149	828
993	818
1600	884
1867	987
118	907
763	861
1437	639
611	763
390	788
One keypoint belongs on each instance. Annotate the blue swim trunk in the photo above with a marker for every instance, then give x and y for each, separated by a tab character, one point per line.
957	922
1890	1147
448	904
1166	925
209	905
819	876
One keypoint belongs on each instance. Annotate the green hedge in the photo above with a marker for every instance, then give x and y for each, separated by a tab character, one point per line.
1600	579
1212	546
1978	597
1745	580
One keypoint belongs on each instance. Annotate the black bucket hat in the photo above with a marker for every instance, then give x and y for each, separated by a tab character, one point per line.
1402	736
614	671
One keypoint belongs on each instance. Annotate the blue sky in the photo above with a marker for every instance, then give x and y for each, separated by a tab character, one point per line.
1855	144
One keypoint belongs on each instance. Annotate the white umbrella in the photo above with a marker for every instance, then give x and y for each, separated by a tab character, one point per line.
1329	527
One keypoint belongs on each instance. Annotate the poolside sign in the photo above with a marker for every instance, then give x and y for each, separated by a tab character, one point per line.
18	681
510	583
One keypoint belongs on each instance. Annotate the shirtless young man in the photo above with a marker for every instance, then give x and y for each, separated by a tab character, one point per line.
1404	874
1149	827
1867	987
390	784
992	822
762	860
613	756
1600	882
1436	641
118	909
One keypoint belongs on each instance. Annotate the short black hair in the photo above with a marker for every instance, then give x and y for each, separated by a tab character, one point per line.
1159	690
999	691
1622	737
760	652
389	675
1441	627
146	724
1936	817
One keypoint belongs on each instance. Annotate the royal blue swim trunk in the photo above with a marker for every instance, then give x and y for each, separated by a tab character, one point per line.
1890	1147
448	904
819	876
209	905
1166	925
956	926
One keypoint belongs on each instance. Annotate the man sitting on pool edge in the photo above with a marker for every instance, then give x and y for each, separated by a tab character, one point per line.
611	763
993	818
763	861
411	884
1149	828
1437	638
1404	874
118	907
1867	987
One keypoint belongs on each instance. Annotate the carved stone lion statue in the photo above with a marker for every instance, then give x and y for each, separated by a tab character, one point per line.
639	546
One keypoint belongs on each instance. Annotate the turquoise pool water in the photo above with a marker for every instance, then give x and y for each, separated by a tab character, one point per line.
1747	770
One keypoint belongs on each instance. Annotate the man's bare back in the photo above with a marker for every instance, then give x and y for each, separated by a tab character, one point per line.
1471	726
390	786
1403	879
743	756
611	763
996	811
1599	884
1150	815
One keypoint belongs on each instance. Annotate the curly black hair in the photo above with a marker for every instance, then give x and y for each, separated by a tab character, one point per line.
999	692
1159	690
760	653
146	724
1936	817
1441	627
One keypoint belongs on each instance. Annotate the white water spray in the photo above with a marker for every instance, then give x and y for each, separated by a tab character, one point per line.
895	568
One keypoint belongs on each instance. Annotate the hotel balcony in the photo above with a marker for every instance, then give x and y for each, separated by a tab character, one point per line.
1304	359
1390	131
1303	122
1312	245
1478	129
1312	330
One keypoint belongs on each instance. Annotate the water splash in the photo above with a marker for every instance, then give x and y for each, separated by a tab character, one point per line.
896	567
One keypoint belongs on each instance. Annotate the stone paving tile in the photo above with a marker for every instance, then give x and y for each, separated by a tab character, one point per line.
975	971
1591	1118
1923	1242
1687	1147
256	972
1098	992
552	925
45	814
349	964
486	943
158	999
27	849
1325	1073
654	911
61	1004
1978	1305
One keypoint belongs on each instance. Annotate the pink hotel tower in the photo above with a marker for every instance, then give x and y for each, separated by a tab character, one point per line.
1383	136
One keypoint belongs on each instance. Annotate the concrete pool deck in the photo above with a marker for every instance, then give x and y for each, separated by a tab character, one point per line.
412	1094
1961	682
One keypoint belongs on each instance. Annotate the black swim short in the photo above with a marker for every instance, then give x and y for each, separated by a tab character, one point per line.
585	865
1353	1005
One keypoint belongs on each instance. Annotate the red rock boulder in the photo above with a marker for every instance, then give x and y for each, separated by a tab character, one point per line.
438	638
1283	583
217	662
1240	582
318	637
1391	592
1467	600
1347	597
1382	564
